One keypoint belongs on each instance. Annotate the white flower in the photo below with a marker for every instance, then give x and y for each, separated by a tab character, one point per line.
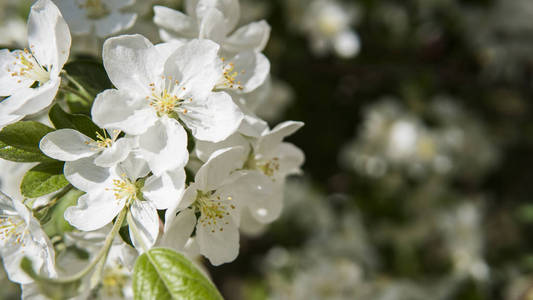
327	23
268	162
216	195
98	17
244	72
158	85
214	20
30	78
21	235
128	184
70	145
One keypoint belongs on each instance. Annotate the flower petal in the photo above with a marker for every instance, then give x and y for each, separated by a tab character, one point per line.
35	100
214	119
253	36
117	152
132	63
143	224
178	232
252	70
196	66
179	23
271	140
48	36
85	175
218	168
94	210
204	150
113	23
219	246
117	109
229	10
189	196
9	83
66	145
165	190
164	146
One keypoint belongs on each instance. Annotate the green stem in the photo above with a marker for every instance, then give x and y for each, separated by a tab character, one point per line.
101	255
76	92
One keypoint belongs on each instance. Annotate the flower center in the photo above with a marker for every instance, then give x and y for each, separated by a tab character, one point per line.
229	78
95	9
124	189
104	141
165	100
13	229
213	209
26	66
114	281
268	167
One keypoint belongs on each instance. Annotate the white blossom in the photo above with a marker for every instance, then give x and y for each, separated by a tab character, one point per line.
30	78
214	20
21	236
98	17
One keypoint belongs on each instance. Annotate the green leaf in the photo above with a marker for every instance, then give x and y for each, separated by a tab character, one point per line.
43	179
90	74
57	225
81	123
11	153
24	135
165	274
20	142
53	290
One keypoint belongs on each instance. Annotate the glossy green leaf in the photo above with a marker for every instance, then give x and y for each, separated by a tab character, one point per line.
56	224
43	179
81	123
90	74
165	274
20	142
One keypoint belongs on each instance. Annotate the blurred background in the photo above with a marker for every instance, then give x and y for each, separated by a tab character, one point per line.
418	142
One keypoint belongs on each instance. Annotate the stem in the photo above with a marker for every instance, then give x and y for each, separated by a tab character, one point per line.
101	255
77	93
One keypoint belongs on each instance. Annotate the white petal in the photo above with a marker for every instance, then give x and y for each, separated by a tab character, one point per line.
75	16
39	98
66	145
214	119
94	210
113	23
252	126
204	150
257	191
132	63
189	196
218	246
120	110
175	21
9	84
196	66
253	36
291	158
145	222
117	152
212	26
250	226
134	166
164	146
48	35
166	190
178	232
218	168
229	10
85	175
252	70
272	139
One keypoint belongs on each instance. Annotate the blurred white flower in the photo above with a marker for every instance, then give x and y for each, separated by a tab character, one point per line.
98	17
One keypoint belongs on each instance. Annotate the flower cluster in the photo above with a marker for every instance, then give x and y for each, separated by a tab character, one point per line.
173	148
